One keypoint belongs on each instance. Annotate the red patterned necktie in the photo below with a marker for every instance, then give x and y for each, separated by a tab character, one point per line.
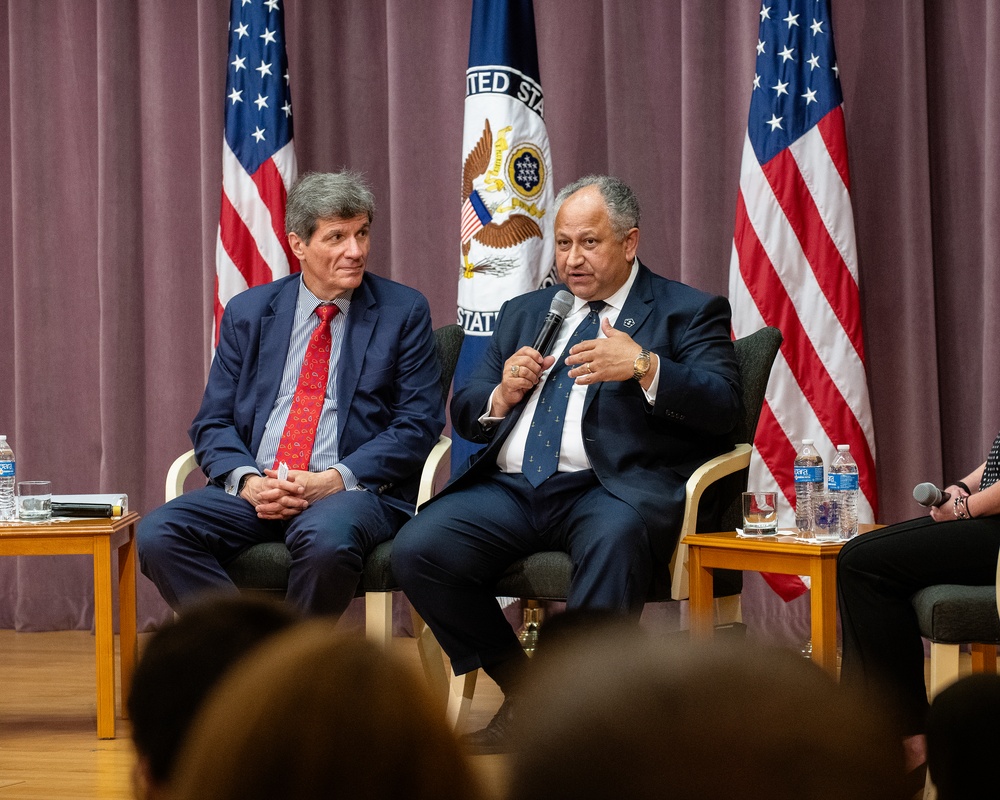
295	447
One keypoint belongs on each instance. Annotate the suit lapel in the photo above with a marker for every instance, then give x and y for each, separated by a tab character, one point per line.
637	308
361	321
275	338
638	304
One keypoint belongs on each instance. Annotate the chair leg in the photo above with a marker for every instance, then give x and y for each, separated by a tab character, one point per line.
930	790
378	618
944	666
431	657
463	687
984	658
728	610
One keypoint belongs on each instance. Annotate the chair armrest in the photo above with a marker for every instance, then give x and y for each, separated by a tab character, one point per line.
182	467
708	473
432	466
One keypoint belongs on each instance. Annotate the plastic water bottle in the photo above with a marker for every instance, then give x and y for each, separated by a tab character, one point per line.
843	480
8	509
808	479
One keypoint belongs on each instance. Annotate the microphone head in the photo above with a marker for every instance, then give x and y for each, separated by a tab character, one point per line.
927	494
561	303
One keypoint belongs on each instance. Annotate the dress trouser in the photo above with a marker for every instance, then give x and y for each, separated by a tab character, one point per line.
185	545
877	575
449	557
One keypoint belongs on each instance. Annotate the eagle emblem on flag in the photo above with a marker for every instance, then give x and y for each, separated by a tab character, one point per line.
499	186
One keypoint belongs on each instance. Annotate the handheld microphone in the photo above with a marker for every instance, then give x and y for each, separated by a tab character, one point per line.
927	494
558	309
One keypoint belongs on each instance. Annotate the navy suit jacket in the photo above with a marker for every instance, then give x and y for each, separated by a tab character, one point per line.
642	454
390	408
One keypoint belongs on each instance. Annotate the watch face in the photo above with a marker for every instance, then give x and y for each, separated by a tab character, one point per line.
641	365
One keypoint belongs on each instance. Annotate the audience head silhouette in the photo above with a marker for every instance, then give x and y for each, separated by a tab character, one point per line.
627	715
318	713
180	665
963	737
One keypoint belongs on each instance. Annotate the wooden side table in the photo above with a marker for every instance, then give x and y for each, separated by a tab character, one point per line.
781	554
95	537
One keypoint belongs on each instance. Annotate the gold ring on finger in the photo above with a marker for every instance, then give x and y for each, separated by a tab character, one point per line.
515	369
589	370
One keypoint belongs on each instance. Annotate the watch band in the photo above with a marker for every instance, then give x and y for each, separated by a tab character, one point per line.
641	365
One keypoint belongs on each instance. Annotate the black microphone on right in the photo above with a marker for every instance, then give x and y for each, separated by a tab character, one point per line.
558	309
927	494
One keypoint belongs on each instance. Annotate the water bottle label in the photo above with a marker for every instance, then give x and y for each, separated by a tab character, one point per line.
809	474
6	469
842	481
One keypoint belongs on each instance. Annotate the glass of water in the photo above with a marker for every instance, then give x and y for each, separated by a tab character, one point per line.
760	513
826	517
34	500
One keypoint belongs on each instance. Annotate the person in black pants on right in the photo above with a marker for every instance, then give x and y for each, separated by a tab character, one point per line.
878	573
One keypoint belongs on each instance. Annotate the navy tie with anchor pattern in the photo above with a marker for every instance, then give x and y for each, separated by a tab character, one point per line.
541	450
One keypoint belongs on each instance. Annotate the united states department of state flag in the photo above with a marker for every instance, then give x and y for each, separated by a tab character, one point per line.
506	224
258	161
794	262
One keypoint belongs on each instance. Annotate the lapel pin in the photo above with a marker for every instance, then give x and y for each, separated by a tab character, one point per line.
629	322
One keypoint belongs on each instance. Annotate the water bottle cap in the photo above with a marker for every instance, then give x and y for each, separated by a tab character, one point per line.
843	448
807	441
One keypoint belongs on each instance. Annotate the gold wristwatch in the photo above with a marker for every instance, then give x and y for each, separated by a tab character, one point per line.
641	365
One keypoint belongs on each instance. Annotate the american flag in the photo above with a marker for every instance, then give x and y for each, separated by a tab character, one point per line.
794	262
258	161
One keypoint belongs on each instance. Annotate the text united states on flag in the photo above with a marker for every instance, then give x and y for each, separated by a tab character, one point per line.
258	162
794	262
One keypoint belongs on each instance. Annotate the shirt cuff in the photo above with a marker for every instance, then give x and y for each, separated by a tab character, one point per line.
654	384
350	480
486	420
232	484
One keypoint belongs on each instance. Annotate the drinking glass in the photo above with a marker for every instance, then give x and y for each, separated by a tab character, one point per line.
34	500
826	517
760	513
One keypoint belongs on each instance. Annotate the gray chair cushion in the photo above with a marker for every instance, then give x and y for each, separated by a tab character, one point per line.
377	575
262	568
950	614
541	576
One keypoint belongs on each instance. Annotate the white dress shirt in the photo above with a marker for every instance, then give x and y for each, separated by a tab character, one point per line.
572	455
324	453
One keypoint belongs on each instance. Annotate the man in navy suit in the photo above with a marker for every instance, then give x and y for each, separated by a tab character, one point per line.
652	391
379	416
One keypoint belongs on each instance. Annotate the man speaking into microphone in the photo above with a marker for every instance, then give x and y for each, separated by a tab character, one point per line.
588	444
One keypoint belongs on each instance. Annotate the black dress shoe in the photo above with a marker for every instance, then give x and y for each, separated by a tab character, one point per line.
496	737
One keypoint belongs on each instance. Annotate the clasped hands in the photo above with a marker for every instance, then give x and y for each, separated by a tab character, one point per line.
592	361
278	499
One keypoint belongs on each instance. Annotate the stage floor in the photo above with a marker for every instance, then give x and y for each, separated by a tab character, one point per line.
48	739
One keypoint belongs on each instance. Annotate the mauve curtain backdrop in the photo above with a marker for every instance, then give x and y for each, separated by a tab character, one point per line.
111	115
